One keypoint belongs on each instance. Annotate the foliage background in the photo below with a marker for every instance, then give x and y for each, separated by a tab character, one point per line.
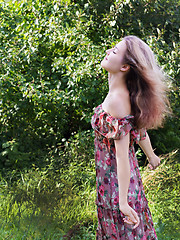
51	79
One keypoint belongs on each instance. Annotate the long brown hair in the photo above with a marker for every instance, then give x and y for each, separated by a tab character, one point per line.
146	84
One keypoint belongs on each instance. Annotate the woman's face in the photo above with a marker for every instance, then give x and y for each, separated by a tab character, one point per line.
113	60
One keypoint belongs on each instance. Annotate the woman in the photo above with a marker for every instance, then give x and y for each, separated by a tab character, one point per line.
136	102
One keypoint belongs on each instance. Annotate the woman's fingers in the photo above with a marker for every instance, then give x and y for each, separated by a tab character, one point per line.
150	166
131	216
154	162
135	226
137	222
136	218
132	219
128	221
153	167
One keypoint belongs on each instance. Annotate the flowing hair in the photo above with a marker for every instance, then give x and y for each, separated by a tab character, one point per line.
146	84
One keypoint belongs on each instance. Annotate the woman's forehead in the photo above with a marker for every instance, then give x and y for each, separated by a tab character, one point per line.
121	45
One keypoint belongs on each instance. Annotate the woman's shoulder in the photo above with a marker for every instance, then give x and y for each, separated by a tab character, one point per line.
118	104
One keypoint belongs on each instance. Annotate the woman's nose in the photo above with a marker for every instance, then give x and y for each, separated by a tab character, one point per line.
108	50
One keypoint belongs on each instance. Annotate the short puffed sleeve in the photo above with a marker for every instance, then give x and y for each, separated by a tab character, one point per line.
111	127
138	135
143	134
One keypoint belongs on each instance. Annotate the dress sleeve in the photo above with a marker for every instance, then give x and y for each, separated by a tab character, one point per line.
111	127
138	135
143	134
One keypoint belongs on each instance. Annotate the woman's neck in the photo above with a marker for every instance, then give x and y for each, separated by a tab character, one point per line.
116	83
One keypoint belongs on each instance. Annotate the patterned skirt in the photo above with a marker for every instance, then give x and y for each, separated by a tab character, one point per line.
111	226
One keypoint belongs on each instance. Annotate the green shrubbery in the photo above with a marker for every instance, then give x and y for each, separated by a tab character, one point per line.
50	75
51	79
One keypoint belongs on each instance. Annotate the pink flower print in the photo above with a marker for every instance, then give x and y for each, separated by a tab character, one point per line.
100	215
101	116
132	180
113	226
145	228
100	146
101	190
105	140
139	196
133	154
144	237
112	184
97	121
97	170
120	219
115	217
106	181
105	224
114	237
109	144
97	155
114	130
134	232
108	119
109	215
147	217
114	212
99	197
138	206
130	203
116	200
108	161
134	164
134	136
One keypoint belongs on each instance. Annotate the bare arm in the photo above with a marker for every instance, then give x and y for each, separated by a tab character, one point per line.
118	105
123	167
148	150
123	174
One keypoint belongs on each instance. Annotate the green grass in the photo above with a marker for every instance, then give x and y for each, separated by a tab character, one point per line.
41	227
24	222
34	208
162	187
31	211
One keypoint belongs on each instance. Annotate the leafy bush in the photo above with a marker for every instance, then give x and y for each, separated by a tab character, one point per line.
50	75
51	79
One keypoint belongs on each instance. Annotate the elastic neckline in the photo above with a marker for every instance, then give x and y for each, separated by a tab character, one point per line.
127	116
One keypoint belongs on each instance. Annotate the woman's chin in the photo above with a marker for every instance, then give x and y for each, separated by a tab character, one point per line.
104	65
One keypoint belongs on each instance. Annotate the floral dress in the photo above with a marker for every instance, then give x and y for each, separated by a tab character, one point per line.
110	218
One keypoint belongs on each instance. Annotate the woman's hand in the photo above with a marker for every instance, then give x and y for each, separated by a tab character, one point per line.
131	216
154	162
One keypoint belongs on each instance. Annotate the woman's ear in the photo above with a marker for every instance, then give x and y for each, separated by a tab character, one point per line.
125	68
